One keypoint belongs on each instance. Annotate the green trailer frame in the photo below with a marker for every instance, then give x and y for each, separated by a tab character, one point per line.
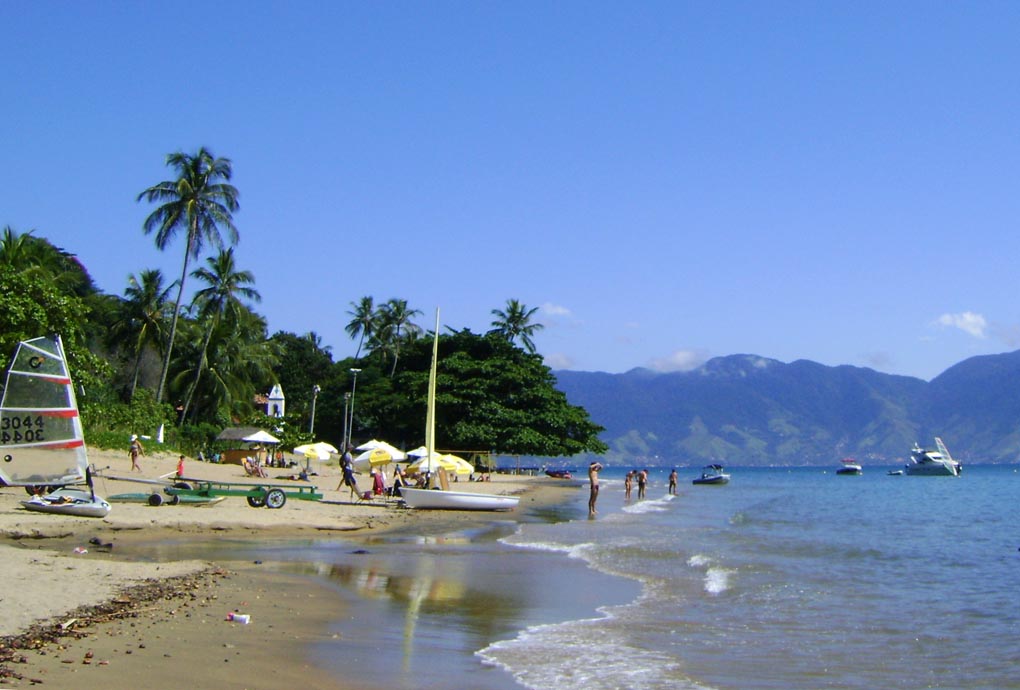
267	495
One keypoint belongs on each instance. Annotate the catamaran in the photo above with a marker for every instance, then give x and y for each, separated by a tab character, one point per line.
442	498
42	446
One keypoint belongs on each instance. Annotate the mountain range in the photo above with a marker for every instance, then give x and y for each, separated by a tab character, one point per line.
751	410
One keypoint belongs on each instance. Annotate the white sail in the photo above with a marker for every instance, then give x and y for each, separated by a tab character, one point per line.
41	440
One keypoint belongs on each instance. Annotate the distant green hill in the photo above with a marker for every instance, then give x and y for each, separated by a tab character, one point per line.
750	410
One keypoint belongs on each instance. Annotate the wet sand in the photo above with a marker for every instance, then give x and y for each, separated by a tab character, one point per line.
99	620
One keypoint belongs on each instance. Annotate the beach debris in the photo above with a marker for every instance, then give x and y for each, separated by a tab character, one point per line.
80	550
242	618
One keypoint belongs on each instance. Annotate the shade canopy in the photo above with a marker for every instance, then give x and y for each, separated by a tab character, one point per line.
261	436
316	451
374	458
394	452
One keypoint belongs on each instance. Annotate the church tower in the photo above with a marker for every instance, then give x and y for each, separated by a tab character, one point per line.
275	403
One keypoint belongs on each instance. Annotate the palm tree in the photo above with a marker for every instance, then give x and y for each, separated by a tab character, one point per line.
144	304
225	288
392	318
515	323
200	202
363	323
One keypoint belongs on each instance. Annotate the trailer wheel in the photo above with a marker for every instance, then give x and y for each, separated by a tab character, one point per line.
256	501
182	485
155	500
174	499
275	498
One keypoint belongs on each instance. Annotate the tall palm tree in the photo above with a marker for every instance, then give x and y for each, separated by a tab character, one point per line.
145	300
225	287
200	202
363	323
394	317
515	323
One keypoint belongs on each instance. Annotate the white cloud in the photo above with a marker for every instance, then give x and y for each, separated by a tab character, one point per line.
968	322
681	360
558	360
555	309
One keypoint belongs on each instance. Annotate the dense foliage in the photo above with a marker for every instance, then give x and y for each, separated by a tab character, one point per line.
213	358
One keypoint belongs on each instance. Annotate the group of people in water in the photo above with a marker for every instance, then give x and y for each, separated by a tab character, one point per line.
634	476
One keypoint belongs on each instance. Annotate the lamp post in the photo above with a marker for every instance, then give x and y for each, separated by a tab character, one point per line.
354	385
347	402
311	422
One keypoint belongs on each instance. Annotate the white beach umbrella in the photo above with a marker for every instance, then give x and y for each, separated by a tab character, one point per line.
395	453
374	458
261	436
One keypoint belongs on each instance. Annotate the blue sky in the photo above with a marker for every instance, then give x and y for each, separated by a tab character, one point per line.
667	182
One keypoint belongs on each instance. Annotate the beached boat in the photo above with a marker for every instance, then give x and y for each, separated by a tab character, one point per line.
712	474
41	439
79	502
441	498
932	463
850	466
559	474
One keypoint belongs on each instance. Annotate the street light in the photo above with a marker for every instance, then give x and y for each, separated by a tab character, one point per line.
354	385
347	402
311	422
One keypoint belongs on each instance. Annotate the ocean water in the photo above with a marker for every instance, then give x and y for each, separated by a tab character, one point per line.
792	578
784	578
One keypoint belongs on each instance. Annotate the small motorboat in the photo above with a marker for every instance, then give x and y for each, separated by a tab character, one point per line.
895	473
850	466
712	474
559	474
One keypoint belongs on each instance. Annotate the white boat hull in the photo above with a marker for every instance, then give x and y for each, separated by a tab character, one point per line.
932	469
437	499
76	502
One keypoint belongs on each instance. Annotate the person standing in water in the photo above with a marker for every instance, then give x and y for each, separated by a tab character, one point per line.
642	480
593	478
628	485
672	482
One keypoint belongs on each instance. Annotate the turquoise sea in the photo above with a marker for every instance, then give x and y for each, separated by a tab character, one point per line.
784	578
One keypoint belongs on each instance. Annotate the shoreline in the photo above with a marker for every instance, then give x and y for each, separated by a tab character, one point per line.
174	610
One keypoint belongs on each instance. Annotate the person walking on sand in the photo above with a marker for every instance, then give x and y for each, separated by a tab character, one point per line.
135	450
593	477
672	482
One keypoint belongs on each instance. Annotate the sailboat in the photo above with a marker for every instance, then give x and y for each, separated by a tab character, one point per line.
442	498
41	441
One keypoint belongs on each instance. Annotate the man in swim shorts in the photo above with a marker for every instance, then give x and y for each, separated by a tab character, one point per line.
593	477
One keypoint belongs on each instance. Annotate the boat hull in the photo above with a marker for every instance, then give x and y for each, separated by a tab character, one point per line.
715	479
849	470
438	499
931	469
76	502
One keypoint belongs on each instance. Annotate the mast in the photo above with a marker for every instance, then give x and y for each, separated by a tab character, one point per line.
430	413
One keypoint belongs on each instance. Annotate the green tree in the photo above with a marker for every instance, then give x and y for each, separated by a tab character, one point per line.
515	323
394	327
490	395
141	317
198	202
362	325
225	288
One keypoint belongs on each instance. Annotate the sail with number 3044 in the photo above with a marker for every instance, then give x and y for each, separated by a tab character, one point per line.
41	439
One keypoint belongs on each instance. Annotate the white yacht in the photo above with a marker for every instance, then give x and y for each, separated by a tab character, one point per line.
932	463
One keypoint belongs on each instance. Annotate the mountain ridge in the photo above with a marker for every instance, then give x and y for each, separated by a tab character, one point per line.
748	409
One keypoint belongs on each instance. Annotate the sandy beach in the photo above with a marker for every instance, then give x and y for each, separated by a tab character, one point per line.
82	610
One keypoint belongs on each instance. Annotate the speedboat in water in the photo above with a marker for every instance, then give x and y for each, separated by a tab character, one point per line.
712	474
932	463
850	466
